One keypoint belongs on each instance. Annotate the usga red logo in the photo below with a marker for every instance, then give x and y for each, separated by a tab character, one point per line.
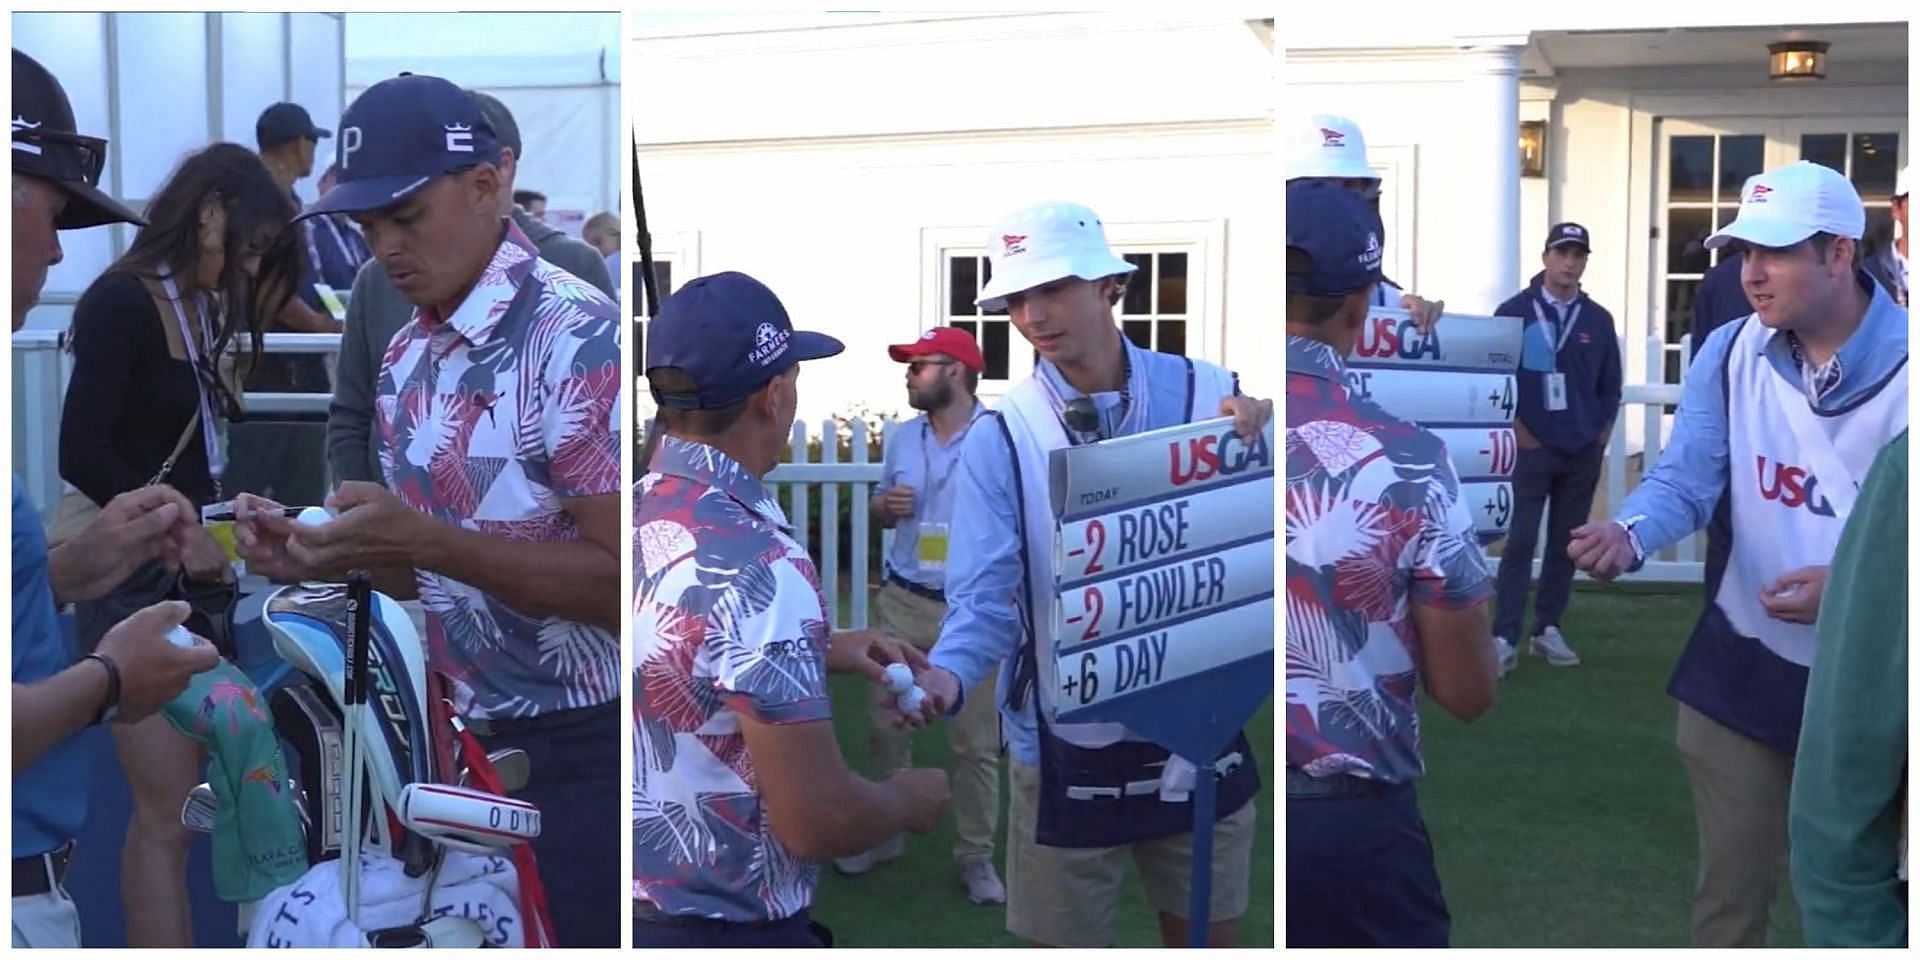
1791	487
1012	242
1760	191
1332	138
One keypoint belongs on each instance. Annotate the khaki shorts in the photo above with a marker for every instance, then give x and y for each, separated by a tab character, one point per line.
1065	897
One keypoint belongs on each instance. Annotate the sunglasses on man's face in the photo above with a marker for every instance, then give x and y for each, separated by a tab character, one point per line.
916	366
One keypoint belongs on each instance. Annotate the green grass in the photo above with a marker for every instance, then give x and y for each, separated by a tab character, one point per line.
1563	818
917	900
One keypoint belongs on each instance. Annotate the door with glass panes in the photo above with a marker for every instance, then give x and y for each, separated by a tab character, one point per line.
1704	163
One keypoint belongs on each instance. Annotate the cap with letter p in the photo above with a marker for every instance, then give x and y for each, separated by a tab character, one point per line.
1783	206
400	135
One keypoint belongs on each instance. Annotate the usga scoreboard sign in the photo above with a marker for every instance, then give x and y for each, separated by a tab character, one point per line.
1457	381
1164	583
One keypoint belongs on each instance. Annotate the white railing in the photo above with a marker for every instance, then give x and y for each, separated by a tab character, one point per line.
806	487
41	368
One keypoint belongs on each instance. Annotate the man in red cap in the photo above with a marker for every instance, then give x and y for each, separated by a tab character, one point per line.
915	500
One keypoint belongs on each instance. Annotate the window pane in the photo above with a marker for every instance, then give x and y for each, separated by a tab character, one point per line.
1680	294
1173	337
963	286
993	343
1826	149
1687	230
1138	300
1690	169
1876	157
1139	331
663	270
1740	158
1173	283
1879	235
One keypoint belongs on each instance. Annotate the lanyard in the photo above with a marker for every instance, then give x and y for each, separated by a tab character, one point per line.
209	434
934	489
1566	326
347	253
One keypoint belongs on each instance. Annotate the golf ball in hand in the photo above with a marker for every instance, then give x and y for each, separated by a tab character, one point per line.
911	701
179	637
899	678
314	516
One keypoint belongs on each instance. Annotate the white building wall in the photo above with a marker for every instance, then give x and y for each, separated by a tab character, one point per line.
883	142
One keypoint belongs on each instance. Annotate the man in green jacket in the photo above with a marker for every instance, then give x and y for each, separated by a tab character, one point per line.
1845	822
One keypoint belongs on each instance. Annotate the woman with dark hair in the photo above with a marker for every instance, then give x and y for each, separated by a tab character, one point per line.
161	341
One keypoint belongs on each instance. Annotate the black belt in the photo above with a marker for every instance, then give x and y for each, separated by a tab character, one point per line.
552	720
903	583
1301	786
36	875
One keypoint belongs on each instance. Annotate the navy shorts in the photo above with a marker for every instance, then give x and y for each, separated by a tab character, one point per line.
1360	873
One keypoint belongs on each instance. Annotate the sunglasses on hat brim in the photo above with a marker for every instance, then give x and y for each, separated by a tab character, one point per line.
63	157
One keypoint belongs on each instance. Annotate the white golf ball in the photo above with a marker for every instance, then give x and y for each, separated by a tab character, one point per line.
911	701
315	516
179	637
899	678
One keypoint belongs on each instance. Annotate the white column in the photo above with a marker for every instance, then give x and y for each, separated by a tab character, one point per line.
1487	188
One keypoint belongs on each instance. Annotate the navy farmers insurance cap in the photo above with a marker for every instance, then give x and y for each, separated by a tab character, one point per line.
731	335
398	136
1339	233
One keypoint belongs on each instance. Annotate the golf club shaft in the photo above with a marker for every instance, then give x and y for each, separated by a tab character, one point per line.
359	641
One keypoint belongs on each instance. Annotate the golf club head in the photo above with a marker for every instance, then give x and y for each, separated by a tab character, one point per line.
198	813
440	932
202	808
511	764
462	818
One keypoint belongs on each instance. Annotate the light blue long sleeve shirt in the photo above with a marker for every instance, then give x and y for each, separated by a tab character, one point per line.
982	628
917	459
1678	496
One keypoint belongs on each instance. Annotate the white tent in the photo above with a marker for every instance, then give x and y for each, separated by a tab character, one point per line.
558	72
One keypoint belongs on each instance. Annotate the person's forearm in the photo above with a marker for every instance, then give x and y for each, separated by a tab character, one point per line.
575	580
853	815
876	507
65	577
46	713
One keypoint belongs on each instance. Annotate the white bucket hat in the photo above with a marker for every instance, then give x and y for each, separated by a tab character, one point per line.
1328	146
1037	245
1786	205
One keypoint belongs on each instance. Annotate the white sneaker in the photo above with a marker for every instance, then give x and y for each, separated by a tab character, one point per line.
859	863
1506	654
1553	646
982	883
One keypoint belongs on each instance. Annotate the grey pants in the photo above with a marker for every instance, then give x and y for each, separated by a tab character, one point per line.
1562	485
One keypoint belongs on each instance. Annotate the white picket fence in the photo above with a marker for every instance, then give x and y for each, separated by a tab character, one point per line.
805	487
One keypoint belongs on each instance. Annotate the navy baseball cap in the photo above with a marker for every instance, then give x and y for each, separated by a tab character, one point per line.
731	335
400	135
284	123
1563	234
1340	235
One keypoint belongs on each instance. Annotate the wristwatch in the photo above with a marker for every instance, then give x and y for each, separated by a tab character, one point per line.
1633	540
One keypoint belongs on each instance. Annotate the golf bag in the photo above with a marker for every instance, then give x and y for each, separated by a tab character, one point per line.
361	658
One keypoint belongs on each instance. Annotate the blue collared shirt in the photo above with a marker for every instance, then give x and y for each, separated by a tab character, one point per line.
49	797
916	458
984	572
1678	496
